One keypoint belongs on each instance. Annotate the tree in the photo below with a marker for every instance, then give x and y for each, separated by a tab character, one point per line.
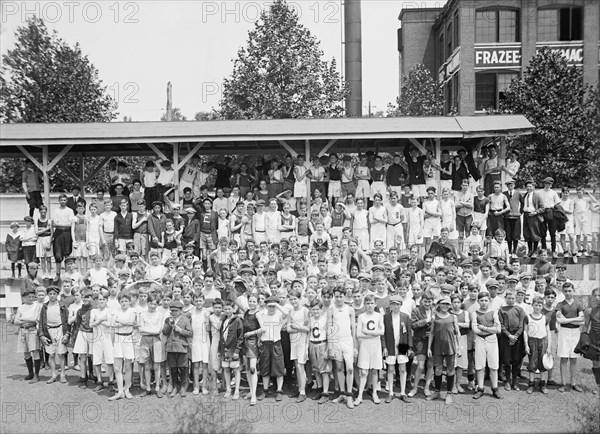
176	115
420	95
208	116
564	111
280	74
43	79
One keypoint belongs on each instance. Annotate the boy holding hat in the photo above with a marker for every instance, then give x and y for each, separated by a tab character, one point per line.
538	342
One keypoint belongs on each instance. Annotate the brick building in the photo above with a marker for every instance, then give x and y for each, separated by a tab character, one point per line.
476	47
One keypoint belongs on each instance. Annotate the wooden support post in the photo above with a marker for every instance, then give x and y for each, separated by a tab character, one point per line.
189	155
307	155
81	175
157	151
176	169
327	147
46	178
418	145
97	170
288	148
502	157
60	156
68	171
438	150
30	157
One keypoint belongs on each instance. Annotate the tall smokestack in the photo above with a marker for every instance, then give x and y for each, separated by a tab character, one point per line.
353	56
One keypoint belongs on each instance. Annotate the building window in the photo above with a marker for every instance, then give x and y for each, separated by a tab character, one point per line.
456	30
497	25
564	24
441	58
490	89
449	47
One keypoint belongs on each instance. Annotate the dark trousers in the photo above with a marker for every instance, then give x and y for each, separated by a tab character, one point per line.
548	225
286	347
493	223
512	226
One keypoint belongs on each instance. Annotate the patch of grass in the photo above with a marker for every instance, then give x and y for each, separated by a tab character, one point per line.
587	416
206	416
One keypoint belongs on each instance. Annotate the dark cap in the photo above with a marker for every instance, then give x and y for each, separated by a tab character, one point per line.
271	300
395	299
176	304
446	287
492	283
548	180
53	288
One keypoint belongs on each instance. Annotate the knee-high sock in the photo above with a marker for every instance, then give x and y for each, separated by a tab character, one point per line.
29	363
449	382
437	381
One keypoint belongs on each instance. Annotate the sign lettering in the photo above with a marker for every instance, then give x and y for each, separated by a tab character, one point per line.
496	57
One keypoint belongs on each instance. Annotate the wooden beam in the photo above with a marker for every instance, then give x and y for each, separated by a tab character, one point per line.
176	169
189	155
68	171
31	157
157	151
60	156
46	179
307	179
327	147
81	175
288	148
96	170
418	145
438	151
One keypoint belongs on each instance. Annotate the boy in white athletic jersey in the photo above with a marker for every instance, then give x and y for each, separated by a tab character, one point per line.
341	338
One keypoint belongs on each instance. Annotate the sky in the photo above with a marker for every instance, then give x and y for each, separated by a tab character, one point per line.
139	46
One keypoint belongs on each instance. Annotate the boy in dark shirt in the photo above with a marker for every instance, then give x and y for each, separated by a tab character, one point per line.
569	318
84	337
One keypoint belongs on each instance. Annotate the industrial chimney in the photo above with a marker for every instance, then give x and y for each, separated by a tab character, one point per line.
353	57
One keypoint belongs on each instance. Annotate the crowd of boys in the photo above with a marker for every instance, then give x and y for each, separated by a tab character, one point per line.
413	267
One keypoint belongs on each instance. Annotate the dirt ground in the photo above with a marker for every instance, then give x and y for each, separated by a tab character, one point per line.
59	408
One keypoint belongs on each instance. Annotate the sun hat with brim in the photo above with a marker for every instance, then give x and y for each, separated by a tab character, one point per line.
547	361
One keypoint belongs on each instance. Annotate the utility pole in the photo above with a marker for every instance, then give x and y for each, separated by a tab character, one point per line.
169	101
